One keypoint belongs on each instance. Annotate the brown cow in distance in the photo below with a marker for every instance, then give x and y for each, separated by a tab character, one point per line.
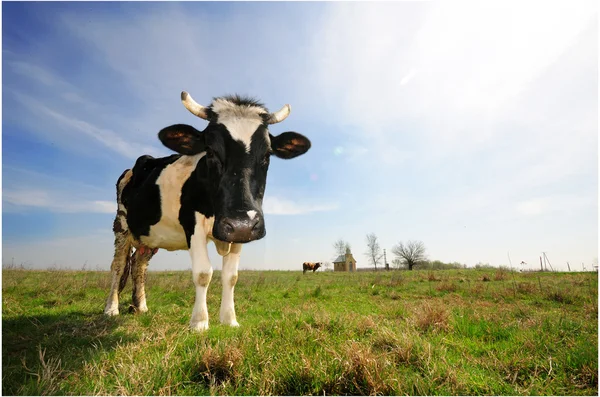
310	266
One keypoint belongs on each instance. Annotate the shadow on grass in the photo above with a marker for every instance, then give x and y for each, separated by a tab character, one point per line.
38	352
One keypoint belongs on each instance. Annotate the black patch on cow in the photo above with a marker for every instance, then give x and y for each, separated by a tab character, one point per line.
234	163
141	196
117	228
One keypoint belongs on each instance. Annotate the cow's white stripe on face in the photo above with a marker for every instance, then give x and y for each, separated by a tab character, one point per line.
251	214
241	121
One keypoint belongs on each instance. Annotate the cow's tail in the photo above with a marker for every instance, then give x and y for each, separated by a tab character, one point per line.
121	229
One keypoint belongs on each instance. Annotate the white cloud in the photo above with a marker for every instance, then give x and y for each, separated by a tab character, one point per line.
472	58
553	204
27	198
531	207
408	77
280	206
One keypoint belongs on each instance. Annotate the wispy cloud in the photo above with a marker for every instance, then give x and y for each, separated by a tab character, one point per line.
280	206
26	199
106	137
25	190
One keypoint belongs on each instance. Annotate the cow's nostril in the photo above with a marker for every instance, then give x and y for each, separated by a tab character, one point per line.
256	224
228	226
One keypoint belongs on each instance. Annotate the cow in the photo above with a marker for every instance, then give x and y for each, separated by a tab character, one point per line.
310	266
211	190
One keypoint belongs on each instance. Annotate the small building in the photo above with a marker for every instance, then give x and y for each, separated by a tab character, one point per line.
345	263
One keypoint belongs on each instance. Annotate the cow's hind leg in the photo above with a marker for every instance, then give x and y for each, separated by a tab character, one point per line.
139	264
229	276
117	268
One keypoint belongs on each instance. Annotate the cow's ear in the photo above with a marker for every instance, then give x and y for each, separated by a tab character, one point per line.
182	138
289	144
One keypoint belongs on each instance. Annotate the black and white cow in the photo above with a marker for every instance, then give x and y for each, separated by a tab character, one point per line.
212	190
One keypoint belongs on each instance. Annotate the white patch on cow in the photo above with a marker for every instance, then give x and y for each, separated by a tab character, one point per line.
168	232
251	214
240	120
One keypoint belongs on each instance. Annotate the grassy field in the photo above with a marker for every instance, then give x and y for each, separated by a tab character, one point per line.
447	332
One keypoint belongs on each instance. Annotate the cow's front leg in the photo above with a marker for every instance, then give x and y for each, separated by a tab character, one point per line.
201	275
229	276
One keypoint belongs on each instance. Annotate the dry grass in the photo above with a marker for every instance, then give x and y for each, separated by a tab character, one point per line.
361	373
446	286
431	276
432	316
219	367
526	288
500	275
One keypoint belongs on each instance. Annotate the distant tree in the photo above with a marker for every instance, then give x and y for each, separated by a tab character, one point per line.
373	249
410	254
397	263
340	247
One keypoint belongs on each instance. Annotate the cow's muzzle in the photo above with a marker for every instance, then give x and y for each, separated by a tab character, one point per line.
239	230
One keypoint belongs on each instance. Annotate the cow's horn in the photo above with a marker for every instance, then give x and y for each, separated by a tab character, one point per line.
280	115
193	106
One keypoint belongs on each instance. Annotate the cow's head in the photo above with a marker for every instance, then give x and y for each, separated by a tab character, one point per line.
238	146
317	265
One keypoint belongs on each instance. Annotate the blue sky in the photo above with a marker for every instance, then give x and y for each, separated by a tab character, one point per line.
469	126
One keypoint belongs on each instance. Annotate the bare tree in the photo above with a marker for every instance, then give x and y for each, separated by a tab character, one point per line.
373	249
410	254
340	247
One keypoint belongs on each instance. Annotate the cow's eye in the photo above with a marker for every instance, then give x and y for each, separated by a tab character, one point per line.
266	159
210	155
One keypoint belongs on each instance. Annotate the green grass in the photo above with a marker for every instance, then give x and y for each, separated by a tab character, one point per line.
422	332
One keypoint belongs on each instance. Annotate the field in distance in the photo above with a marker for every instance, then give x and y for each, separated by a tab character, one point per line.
466	332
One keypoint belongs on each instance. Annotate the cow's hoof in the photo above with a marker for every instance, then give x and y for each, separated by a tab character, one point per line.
199	326
111	311
231	323
135	310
